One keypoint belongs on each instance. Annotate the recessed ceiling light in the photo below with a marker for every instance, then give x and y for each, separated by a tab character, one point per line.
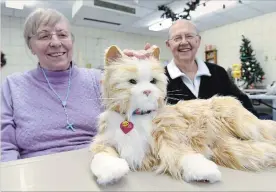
17	4
14	4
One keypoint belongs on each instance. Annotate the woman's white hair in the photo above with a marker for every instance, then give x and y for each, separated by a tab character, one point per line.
49	17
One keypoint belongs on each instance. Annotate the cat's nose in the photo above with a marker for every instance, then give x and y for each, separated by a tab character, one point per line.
147	92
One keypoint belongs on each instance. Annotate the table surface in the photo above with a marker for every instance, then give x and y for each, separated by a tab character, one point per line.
262	96
70	171
254	90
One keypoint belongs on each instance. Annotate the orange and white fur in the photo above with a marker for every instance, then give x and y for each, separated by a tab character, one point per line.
187	140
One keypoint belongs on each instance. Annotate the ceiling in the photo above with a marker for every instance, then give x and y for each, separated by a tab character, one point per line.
146	13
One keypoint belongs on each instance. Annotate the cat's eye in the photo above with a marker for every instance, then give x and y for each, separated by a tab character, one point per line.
153	81
132	81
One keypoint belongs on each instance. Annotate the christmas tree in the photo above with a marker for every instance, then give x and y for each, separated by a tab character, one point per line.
252	73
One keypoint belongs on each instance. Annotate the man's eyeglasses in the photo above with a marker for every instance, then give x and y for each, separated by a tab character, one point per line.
179	38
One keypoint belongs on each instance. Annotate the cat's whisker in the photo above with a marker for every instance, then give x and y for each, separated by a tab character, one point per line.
109	98
178	94
174	91
166	97
174	98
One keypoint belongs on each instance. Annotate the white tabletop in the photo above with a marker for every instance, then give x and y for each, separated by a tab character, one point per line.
254	90
70	171
266	97
262	96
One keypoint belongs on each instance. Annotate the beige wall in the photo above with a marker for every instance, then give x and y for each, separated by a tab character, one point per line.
89	46
91	43
262	33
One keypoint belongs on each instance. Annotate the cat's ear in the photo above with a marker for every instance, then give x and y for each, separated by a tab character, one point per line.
155	52
112	54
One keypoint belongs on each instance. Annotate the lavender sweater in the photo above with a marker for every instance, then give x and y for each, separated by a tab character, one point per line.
33	121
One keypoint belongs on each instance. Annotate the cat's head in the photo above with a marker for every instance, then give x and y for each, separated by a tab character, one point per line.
131	84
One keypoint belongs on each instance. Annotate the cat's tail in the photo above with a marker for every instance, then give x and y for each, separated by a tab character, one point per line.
244	154
229	117
269	129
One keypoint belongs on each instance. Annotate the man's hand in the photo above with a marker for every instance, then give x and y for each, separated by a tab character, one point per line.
140	54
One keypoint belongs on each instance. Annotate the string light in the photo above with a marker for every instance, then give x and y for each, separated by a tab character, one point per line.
190	6
168	13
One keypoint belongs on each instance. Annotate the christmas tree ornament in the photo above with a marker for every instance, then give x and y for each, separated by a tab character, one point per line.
236	72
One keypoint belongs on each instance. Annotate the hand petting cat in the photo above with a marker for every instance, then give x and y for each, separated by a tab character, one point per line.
140	54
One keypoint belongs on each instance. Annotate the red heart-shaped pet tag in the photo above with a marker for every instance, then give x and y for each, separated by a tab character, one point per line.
126	126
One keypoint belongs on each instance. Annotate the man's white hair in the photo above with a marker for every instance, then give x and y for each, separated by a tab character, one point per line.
182	20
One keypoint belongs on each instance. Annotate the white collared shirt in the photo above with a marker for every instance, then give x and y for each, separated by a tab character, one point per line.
193	85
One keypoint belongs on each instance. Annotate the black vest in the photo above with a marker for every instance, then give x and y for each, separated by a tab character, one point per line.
216	84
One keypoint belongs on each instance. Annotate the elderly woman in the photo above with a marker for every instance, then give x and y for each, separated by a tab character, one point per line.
54	107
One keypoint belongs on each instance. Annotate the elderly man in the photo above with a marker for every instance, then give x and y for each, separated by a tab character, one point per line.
190	77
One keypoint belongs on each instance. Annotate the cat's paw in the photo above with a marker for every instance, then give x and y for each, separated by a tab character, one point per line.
108	169
197	168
